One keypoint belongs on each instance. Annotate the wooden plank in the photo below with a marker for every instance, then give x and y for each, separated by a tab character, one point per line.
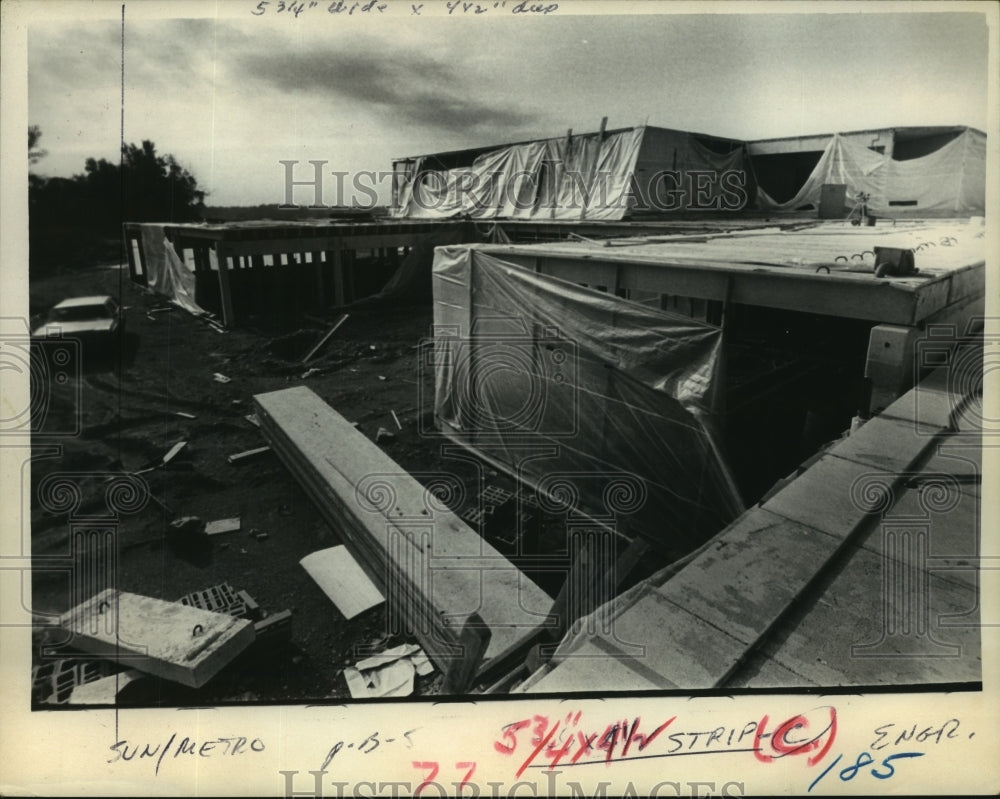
220	526
396	531
473	640
325	338
174	641
238	457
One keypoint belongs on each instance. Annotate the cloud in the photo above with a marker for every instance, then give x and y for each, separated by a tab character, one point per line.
406	88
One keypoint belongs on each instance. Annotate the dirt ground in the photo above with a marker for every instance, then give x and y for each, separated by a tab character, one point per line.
129	416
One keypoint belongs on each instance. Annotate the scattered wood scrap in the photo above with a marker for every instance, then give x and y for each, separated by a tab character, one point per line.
400	544
325	338
169	456
174	641
220	526
247	454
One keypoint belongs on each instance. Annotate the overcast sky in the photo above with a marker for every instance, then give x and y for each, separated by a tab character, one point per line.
231	96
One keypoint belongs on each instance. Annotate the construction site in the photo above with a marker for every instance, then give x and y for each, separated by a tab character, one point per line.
636	409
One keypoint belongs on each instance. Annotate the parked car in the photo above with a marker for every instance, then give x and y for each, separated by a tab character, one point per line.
97	319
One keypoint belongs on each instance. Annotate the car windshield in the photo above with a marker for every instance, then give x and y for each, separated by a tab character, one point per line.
79	313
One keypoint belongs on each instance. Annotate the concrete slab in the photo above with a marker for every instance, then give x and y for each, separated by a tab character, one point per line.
931	402
886	443
680	647
961	459
747	578
899	635
174	641
593	668
835	496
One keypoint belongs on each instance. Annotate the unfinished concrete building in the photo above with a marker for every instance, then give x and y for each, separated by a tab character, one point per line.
673	359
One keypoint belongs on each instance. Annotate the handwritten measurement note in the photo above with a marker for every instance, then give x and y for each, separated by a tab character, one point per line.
376	8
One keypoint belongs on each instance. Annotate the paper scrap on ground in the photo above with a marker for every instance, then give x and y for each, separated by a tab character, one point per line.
387	657
422	663
394	679
103	691
389	673
343	580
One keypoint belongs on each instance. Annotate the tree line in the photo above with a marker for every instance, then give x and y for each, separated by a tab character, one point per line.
75	218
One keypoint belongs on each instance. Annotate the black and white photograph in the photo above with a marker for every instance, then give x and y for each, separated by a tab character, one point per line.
499	398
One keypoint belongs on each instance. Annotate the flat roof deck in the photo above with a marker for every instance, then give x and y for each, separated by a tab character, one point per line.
862	570
816	269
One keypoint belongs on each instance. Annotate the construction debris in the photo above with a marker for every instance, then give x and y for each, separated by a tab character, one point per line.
53	682
174	641
396	420
165	459
342	580
247	454
384	435
252	418
395	680
221	598
218	377
220	526
390	673
186	527
275	628
309	372
105	690
325	338
411	651
306	434
185	415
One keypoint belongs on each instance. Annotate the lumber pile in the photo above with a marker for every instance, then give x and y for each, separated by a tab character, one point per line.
451	589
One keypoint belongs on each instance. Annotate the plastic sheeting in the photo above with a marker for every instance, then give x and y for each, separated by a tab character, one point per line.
165	272
583	177
950	180
603	405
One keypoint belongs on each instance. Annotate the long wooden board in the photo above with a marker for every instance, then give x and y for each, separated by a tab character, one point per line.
405	539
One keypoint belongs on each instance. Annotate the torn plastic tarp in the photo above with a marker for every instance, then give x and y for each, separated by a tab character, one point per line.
166	273
952	179
605	403
581	177
590	177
